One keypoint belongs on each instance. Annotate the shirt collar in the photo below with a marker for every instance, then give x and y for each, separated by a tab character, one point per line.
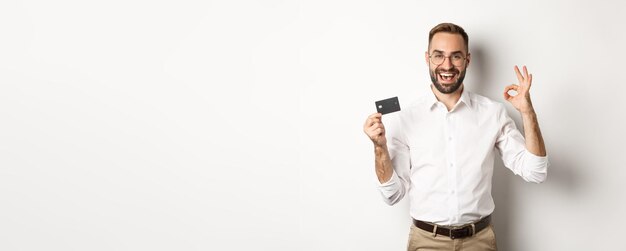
465	98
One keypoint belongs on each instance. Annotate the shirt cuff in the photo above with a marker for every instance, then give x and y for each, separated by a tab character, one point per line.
535	168
536	161
389	188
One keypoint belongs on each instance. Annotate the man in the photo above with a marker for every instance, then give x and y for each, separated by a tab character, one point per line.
440	150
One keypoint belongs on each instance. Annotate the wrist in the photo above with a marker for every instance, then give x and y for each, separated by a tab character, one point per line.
528	112
378	149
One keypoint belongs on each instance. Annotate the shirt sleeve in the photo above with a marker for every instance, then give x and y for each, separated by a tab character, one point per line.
512	148
395	188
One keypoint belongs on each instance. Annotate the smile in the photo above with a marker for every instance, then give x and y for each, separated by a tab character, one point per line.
447	76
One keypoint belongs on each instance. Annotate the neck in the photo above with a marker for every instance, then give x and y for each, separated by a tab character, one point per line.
448	99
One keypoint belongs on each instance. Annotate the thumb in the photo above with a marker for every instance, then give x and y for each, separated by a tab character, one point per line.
508	96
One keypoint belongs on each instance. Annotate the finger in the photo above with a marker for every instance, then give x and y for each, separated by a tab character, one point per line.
525	86
372	132
513	87
374	121
527	80
372	118
520	78
373	126
376	126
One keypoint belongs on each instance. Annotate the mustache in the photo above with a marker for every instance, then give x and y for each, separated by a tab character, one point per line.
453	70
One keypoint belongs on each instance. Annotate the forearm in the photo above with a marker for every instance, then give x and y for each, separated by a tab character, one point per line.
532	134
384	168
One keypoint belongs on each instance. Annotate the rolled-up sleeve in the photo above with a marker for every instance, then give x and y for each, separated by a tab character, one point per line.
395	188
512	148
390	189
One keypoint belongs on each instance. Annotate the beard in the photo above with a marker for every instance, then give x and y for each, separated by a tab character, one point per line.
450	88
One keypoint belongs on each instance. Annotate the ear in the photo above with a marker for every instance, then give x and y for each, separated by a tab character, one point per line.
469	57
426	57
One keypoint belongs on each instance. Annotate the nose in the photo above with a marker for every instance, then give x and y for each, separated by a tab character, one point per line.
447	63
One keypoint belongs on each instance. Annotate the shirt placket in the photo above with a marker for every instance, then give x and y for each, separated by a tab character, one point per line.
450	138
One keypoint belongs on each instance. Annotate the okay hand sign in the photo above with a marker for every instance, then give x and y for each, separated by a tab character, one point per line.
521	100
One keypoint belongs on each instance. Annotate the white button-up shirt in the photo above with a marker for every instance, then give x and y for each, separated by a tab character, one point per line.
444	159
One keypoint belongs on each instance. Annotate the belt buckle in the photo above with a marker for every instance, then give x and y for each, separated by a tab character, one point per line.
469	230
461	230
453	232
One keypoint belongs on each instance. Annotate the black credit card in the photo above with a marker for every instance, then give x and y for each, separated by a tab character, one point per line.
388	105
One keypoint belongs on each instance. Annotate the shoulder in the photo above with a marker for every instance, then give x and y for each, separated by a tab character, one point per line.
406	116
487	108
422	102
484	103
482	100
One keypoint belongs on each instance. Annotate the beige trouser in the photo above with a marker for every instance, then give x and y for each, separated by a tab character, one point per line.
422	240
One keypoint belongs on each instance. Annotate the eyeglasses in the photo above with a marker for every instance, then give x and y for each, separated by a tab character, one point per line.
457	59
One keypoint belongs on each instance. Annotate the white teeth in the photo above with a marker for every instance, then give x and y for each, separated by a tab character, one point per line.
446	76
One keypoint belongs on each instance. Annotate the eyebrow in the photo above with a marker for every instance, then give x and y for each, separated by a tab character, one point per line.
438	51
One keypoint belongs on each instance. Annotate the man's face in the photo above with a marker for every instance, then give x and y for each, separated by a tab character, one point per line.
448	76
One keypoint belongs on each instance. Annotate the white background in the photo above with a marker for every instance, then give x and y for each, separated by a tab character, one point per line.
237	125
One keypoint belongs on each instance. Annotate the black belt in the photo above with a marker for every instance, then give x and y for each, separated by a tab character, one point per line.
455	233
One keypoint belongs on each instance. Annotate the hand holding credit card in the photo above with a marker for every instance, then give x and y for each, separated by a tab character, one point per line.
388	105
